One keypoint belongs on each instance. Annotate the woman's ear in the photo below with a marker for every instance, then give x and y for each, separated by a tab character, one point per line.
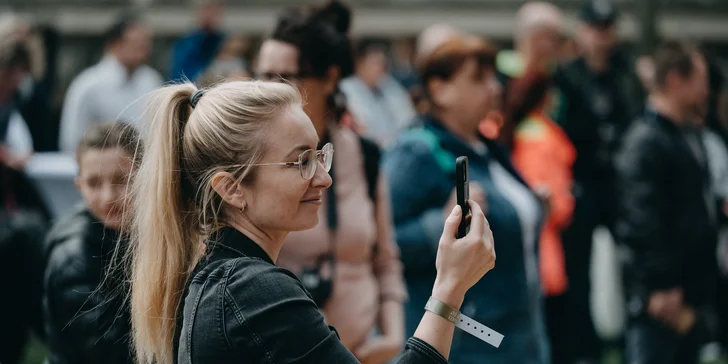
437	89
227	187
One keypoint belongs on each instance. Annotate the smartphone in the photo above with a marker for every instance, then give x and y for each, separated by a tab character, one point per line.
463	194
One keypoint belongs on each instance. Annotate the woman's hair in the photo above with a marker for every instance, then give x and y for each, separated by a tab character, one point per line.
121	25
365	47
14	50
108	136
448	58
175	204
524	95
320	35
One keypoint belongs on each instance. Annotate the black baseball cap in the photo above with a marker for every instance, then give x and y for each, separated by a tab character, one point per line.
599	12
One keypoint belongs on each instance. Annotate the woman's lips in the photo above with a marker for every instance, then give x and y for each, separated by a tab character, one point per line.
314	200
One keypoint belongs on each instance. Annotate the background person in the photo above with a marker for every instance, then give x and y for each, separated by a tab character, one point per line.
195	51
459	76
228	64
84	298
544	155
16	63
600	95
23	214
376	100
667	217
113	89
366	292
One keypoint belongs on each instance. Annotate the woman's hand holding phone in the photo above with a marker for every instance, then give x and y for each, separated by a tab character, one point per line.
462	262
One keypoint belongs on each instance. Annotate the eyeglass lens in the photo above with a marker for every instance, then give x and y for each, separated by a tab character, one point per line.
310	158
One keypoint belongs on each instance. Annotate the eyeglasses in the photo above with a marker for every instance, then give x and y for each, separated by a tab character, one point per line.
307	161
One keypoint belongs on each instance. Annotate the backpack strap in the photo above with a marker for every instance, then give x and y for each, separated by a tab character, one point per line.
445	159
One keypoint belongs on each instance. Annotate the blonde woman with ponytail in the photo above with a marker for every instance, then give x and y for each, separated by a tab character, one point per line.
235	167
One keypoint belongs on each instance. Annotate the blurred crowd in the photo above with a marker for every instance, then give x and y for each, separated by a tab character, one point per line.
564	134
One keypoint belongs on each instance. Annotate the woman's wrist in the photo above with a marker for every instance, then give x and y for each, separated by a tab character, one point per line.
448	294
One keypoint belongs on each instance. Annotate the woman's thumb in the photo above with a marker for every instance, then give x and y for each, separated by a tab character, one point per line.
452	222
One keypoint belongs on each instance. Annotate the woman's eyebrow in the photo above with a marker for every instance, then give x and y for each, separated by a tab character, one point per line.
297	150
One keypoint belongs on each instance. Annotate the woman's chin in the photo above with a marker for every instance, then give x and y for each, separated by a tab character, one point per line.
307	223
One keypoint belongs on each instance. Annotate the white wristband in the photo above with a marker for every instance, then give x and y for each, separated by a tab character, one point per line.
479	330
464	322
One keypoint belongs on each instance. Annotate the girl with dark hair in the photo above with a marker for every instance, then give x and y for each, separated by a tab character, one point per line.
349	261
543	154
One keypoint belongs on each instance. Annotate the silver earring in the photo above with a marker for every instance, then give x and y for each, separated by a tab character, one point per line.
242	207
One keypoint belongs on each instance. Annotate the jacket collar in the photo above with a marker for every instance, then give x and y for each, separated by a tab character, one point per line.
663	121
100	238
454	145
230	239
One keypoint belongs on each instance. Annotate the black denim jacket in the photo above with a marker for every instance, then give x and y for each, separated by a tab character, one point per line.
240	307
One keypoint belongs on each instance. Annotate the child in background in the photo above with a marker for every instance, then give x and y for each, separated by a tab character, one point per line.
84	290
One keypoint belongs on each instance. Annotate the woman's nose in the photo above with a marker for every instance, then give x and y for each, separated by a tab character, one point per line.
321	178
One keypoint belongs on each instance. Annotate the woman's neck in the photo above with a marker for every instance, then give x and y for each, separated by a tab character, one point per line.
270	242
463	130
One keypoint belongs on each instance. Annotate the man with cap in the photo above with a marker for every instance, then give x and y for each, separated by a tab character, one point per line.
600	95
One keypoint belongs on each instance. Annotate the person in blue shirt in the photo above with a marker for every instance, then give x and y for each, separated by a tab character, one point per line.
195	51
459	79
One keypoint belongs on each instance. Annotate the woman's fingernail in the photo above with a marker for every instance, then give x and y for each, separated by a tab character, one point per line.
456	210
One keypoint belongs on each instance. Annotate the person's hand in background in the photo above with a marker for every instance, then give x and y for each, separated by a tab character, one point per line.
477	194
668	307
383	348
11	160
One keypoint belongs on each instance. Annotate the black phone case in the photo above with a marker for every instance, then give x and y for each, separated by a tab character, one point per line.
462	187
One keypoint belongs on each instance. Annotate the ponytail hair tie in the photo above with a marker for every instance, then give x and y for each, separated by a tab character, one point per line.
196	97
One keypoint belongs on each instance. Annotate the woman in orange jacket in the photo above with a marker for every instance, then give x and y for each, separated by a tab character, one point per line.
544	155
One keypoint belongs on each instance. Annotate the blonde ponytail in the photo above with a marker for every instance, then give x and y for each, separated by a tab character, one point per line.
164	234
175	206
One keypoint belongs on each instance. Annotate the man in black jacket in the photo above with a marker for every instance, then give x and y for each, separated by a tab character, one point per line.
667	217
87	317
599	96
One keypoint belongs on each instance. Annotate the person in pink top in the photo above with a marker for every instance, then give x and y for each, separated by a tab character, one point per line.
349	262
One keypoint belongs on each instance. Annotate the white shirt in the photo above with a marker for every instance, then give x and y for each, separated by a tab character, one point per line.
527	207
384	112
18	138
103	93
